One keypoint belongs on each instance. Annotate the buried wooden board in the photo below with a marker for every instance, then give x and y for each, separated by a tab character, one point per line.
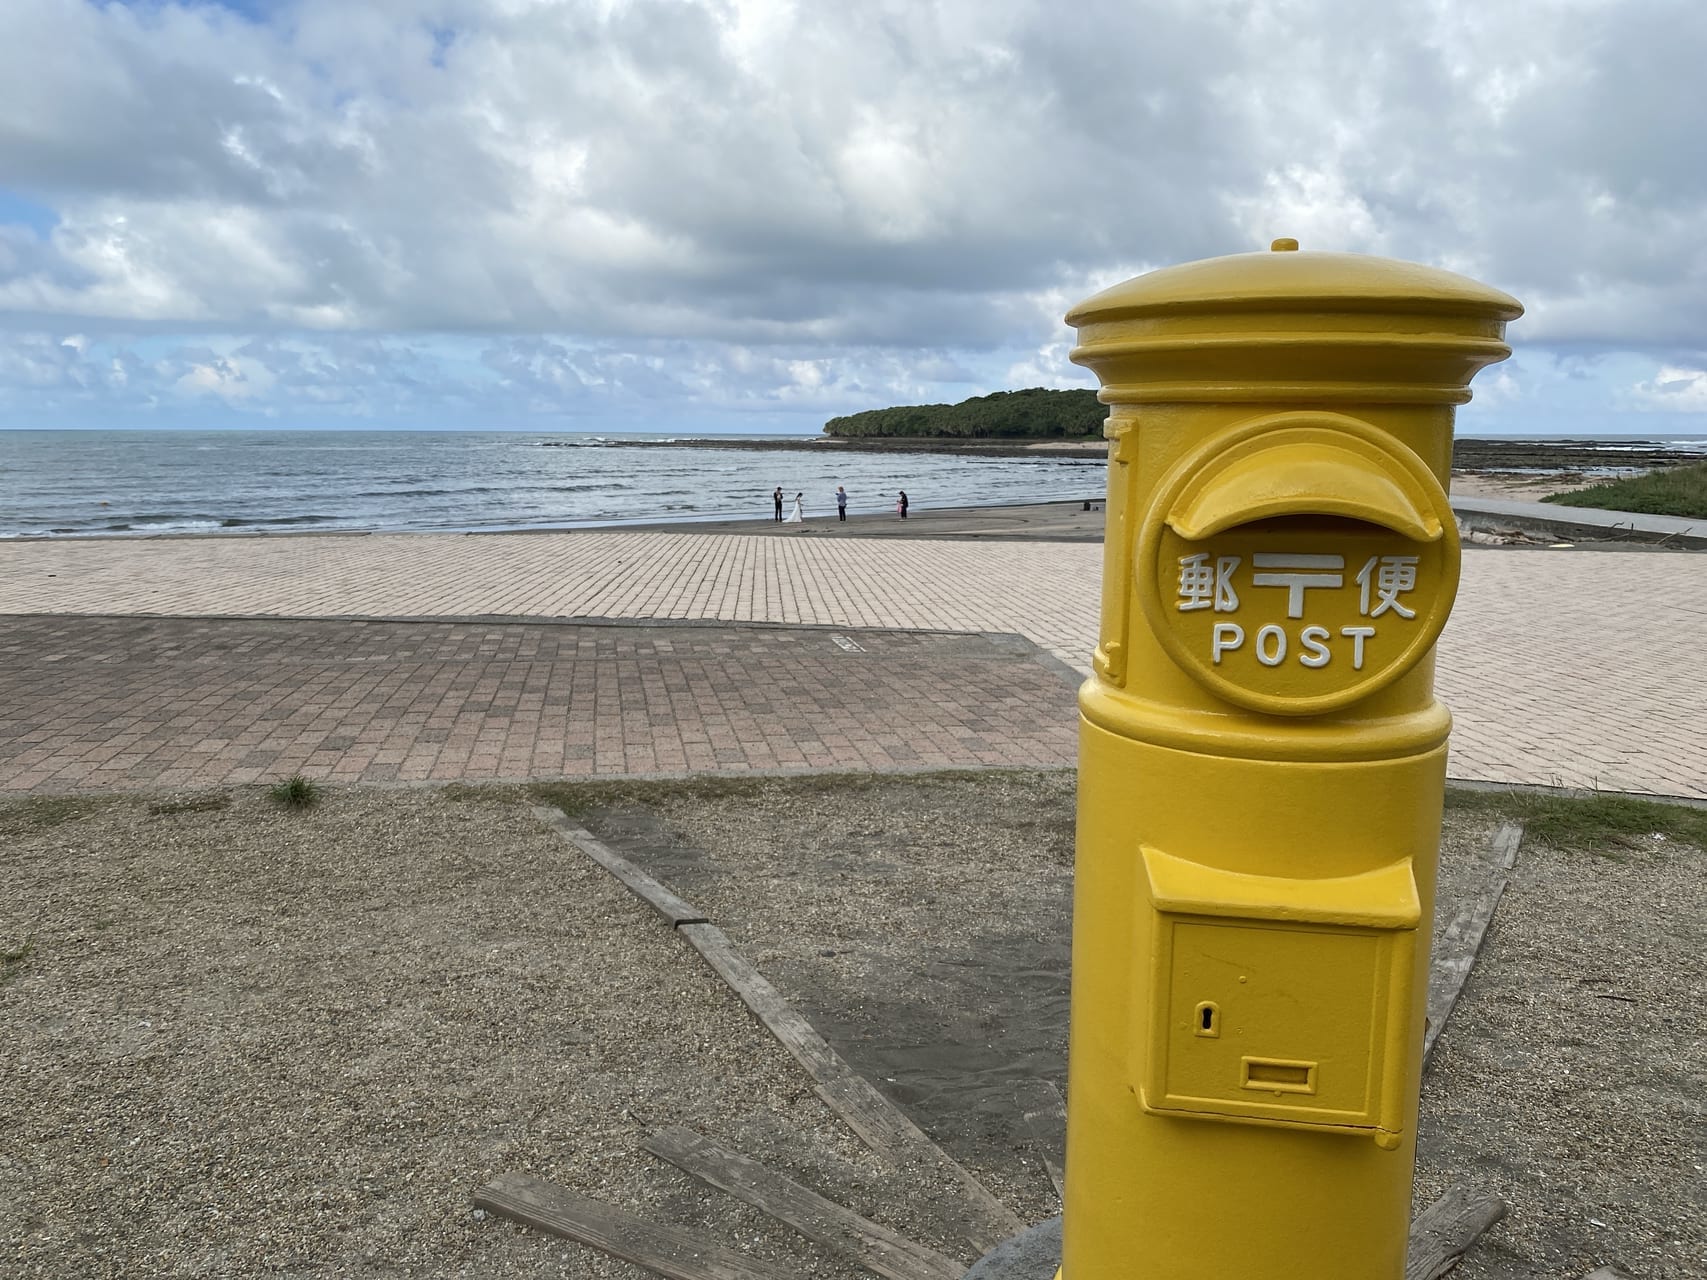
666	1251
873	1246
1444	1232
983	1221
1045	1114
1440	1235
675	911
1461	941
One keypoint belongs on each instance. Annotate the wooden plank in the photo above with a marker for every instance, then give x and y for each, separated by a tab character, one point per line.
636	881
1444	1231
1045	1113
1505	844
874	1247
665	1251
984	1221
1461	940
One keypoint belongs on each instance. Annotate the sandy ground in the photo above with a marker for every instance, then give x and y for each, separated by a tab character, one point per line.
243	1040
1522	487
1063	521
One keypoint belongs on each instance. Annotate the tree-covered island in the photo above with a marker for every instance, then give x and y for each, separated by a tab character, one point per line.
1032	414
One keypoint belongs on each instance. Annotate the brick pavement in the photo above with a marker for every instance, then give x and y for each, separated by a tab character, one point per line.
1567	667
116	703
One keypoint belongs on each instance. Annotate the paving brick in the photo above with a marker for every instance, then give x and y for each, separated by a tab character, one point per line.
777	698
1563	666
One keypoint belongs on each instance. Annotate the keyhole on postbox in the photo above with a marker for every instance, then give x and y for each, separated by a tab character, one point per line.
1208	1020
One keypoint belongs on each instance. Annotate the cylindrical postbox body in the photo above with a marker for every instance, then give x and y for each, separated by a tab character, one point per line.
1262	762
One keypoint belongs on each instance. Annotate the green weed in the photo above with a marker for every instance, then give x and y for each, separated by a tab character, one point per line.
295	792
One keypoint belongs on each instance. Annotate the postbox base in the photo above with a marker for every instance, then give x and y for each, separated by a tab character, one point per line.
1034	1254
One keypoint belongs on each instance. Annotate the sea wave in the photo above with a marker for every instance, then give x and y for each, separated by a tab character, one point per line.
431	493
258	522
137	525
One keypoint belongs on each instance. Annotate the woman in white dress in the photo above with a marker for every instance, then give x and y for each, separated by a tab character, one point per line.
798	515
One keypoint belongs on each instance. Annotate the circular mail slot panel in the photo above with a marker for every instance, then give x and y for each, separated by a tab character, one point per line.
1297	564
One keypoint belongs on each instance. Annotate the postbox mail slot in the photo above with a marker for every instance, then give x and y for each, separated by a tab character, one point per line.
1297	563
1277	1000
1306	477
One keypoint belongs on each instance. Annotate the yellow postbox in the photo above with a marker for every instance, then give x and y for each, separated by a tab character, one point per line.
1262	761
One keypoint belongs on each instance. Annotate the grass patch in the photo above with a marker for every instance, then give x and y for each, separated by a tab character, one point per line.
209	803
1593	822
1671	491
37	813
579	798
494	793
12	961
295	792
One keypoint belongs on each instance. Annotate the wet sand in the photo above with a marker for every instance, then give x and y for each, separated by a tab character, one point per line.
1069	521
1063	521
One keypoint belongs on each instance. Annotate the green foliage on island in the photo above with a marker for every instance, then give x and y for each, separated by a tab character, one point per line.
1673	491
1033	414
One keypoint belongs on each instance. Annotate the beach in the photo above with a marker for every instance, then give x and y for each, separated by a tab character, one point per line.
71	484
247	1039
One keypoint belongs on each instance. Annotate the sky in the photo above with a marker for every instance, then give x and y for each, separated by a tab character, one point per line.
754	215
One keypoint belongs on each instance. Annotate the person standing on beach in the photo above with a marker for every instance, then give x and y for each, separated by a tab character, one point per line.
798	515
777	497
901	506
841	503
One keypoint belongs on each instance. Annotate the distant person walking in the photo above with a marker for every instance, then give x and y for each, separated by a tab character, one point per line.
901	506
798	515
778	498
841	503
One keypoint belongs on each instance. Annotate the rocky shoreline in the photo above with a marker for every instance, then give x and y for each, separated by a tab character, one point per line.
1468	453
1075	447
1473	454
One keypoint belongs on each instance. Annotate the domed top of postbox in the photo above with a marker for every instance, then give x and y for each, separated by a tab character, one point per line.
1290	325
1289	279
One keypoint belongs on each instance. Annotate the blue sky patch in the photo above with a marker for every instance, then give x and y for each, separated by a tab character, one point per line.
18	211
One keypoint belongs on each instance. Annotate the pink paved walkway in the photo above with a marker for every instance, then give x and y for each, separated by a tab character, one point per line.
118	703
1582	668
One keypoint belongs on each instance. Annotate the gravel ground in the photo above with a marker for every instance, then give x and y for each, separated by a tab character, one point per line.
1572	1079
930	944
929	941
244	1041
251	1042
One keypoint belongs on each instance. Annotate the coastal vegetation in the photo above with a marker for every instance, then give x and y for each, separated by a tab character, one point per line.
1035	413
1671	491
1599	822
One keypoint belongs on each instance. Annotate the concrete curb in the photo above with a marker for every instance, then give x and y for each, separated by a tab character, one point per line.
1588	524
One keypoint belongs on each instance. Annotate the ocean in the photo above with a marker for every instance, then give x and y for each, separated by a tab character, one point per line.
70	484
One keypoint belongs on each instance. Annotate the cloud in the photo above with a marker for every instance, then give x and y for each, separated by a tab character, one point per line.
1674	390
765	203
